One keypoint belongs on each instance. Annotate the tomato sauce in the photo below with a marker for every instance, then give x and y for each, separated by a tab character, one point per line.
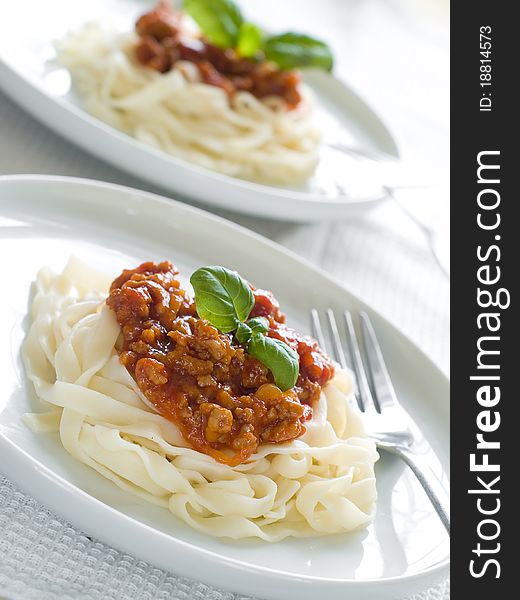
163	42
223	400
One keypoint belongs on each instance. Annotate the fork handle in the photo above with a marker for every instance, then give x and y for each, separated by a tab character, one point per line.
435	491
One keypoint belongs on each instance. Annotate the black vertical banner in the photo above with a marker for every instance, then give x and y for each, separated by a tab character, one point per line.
485	241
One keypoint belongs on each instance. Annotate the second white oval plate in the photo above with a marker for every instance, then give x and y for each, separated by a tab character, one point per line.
30	76
45	219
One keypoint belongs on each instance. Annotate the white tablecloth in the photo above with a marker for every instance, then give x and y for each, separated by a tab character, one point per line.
381	256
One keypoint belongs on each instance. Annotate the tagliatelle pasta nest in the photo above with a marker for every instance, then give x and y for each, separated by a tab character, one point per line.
320	483
246	137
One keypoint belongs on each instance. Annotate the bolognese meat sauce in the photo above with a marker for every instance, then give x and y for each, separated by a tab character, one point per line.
162	42
222	399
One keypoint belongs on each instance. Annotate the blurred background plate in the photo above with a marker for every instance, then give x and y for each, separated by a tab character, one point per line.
30	76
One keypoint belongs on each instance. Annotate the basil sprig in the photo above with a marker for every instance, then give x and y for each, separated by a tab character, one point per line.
282	361
222	23
245	331
290	50
225	300
219	20
249	40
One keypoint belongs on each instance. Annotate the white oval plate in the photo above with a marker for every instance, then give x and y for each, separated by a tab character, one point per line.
29	75
45	219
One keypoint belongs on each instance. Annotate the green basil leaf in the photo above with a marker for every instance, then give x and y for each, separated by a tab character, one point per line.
249	39
243	333
292	50
219	20
222	297
259	325
282	361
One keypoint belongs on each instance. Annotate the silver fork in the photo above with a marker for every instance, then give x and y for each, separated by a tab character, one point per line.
387	421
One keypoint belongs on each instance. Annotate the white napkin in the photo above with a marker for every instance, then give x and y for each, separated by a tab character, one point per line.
44	558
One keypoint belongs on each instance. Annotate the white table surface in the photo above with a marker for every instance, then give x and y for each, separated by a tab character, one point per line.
395	53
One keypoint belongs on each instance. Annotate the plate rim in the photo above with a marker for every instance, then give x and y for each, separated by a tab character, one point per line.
48	477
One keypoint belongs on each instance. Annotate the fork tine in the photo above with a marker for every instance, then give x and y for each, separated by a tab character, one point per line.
364	395
316	329
382	384
339	353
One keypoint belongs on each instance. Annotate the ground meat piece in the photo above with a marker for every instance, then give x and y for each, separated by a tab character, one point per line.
159	23
253	373
153	54
219	421
152	371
